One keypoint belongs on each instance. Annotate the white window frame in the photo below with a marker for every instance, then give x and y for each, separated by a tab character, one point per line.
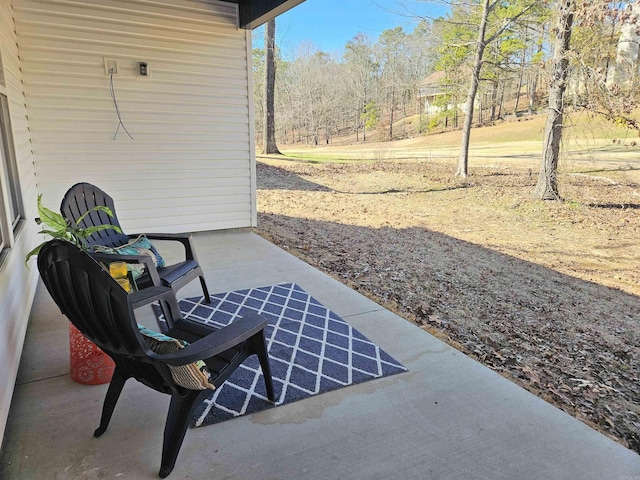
11	206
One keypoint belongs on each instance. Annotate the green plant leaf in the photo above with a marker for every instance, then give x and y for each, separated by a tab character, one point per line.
56	233
99	208
59	227
87	232
49	217
33	252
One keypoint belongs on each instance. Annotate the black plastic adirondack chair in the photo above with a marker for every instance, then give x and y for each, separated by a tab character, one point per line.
103	312
82	197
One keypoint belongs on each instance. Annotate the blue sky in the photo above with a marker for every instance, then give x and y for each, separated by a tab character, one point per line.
330	24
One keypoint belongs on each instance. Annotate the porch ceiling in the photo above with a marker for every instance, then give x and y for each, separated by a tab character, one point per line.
254	13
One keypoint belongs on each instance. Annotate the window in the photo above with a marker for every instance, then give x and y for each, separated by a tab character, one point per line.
11	198
9	163
11	207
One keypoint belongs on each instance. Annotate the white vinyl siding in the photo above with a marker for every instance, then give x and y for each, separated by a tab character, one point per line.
17	283
189	165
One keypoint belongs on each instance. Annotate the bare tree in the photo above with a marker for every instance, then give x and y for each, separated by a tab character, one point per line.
483	40
547	187
360	71
590	70
463	161
391	54
269	131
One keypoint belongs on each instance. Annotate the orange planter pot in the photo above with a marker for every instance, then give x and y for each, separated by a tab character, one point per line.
89	364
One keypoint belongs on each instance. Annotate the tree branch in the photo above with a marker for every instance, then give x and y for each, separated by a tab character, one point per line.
507	23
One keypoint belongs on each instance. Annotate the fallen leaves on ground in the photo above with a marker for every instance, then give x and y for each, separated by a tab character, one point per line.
523	286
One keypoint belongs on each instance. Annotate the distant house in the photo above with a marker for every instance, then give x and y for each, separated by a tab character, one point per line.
626	69
430	89
437	85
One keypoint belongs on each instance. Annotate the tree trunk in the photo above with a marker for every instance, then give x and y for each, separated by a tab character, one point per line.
533	87
463	161
404	115
547	187
494	100
269	130
519	87
393	99
455	113
523	61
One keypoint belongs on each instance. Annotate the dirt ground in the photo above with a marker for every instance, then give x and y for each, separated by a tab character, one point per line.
544	293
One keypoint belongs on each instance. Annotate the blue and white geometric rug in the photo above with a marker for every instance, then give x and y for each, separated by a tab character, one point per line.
311	350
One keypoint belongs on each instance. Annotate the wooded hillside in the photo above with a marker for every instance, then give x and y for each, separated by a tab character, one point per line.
365	92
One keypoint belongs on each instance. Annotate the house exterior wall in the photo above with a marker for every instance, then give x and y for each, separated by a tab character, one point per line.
17	283
189	164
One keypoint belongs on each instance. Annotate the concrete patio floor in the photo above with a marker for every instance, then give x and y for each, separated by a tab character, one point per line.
449	417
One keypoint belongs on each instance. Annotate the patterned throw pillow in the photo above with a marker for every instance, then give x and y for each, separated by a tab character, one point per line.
194	376
139	246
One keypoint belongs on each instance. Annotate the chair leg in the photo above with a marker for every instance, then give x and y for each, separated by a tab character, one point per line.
260	347
205	290
113	393
166	313
176	427
171	311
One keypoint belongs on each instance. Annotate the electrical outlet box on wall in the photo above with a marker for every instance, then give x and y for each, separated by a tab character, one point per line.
144	69
110	66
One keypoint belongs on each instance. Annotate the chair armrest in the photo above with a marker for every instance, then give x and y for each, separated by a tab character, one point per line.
144	259
179	237
216	342
183	238
149	295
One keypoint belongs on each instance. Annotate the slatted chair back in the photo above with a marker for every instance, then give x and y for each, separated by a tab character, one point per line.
81	198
